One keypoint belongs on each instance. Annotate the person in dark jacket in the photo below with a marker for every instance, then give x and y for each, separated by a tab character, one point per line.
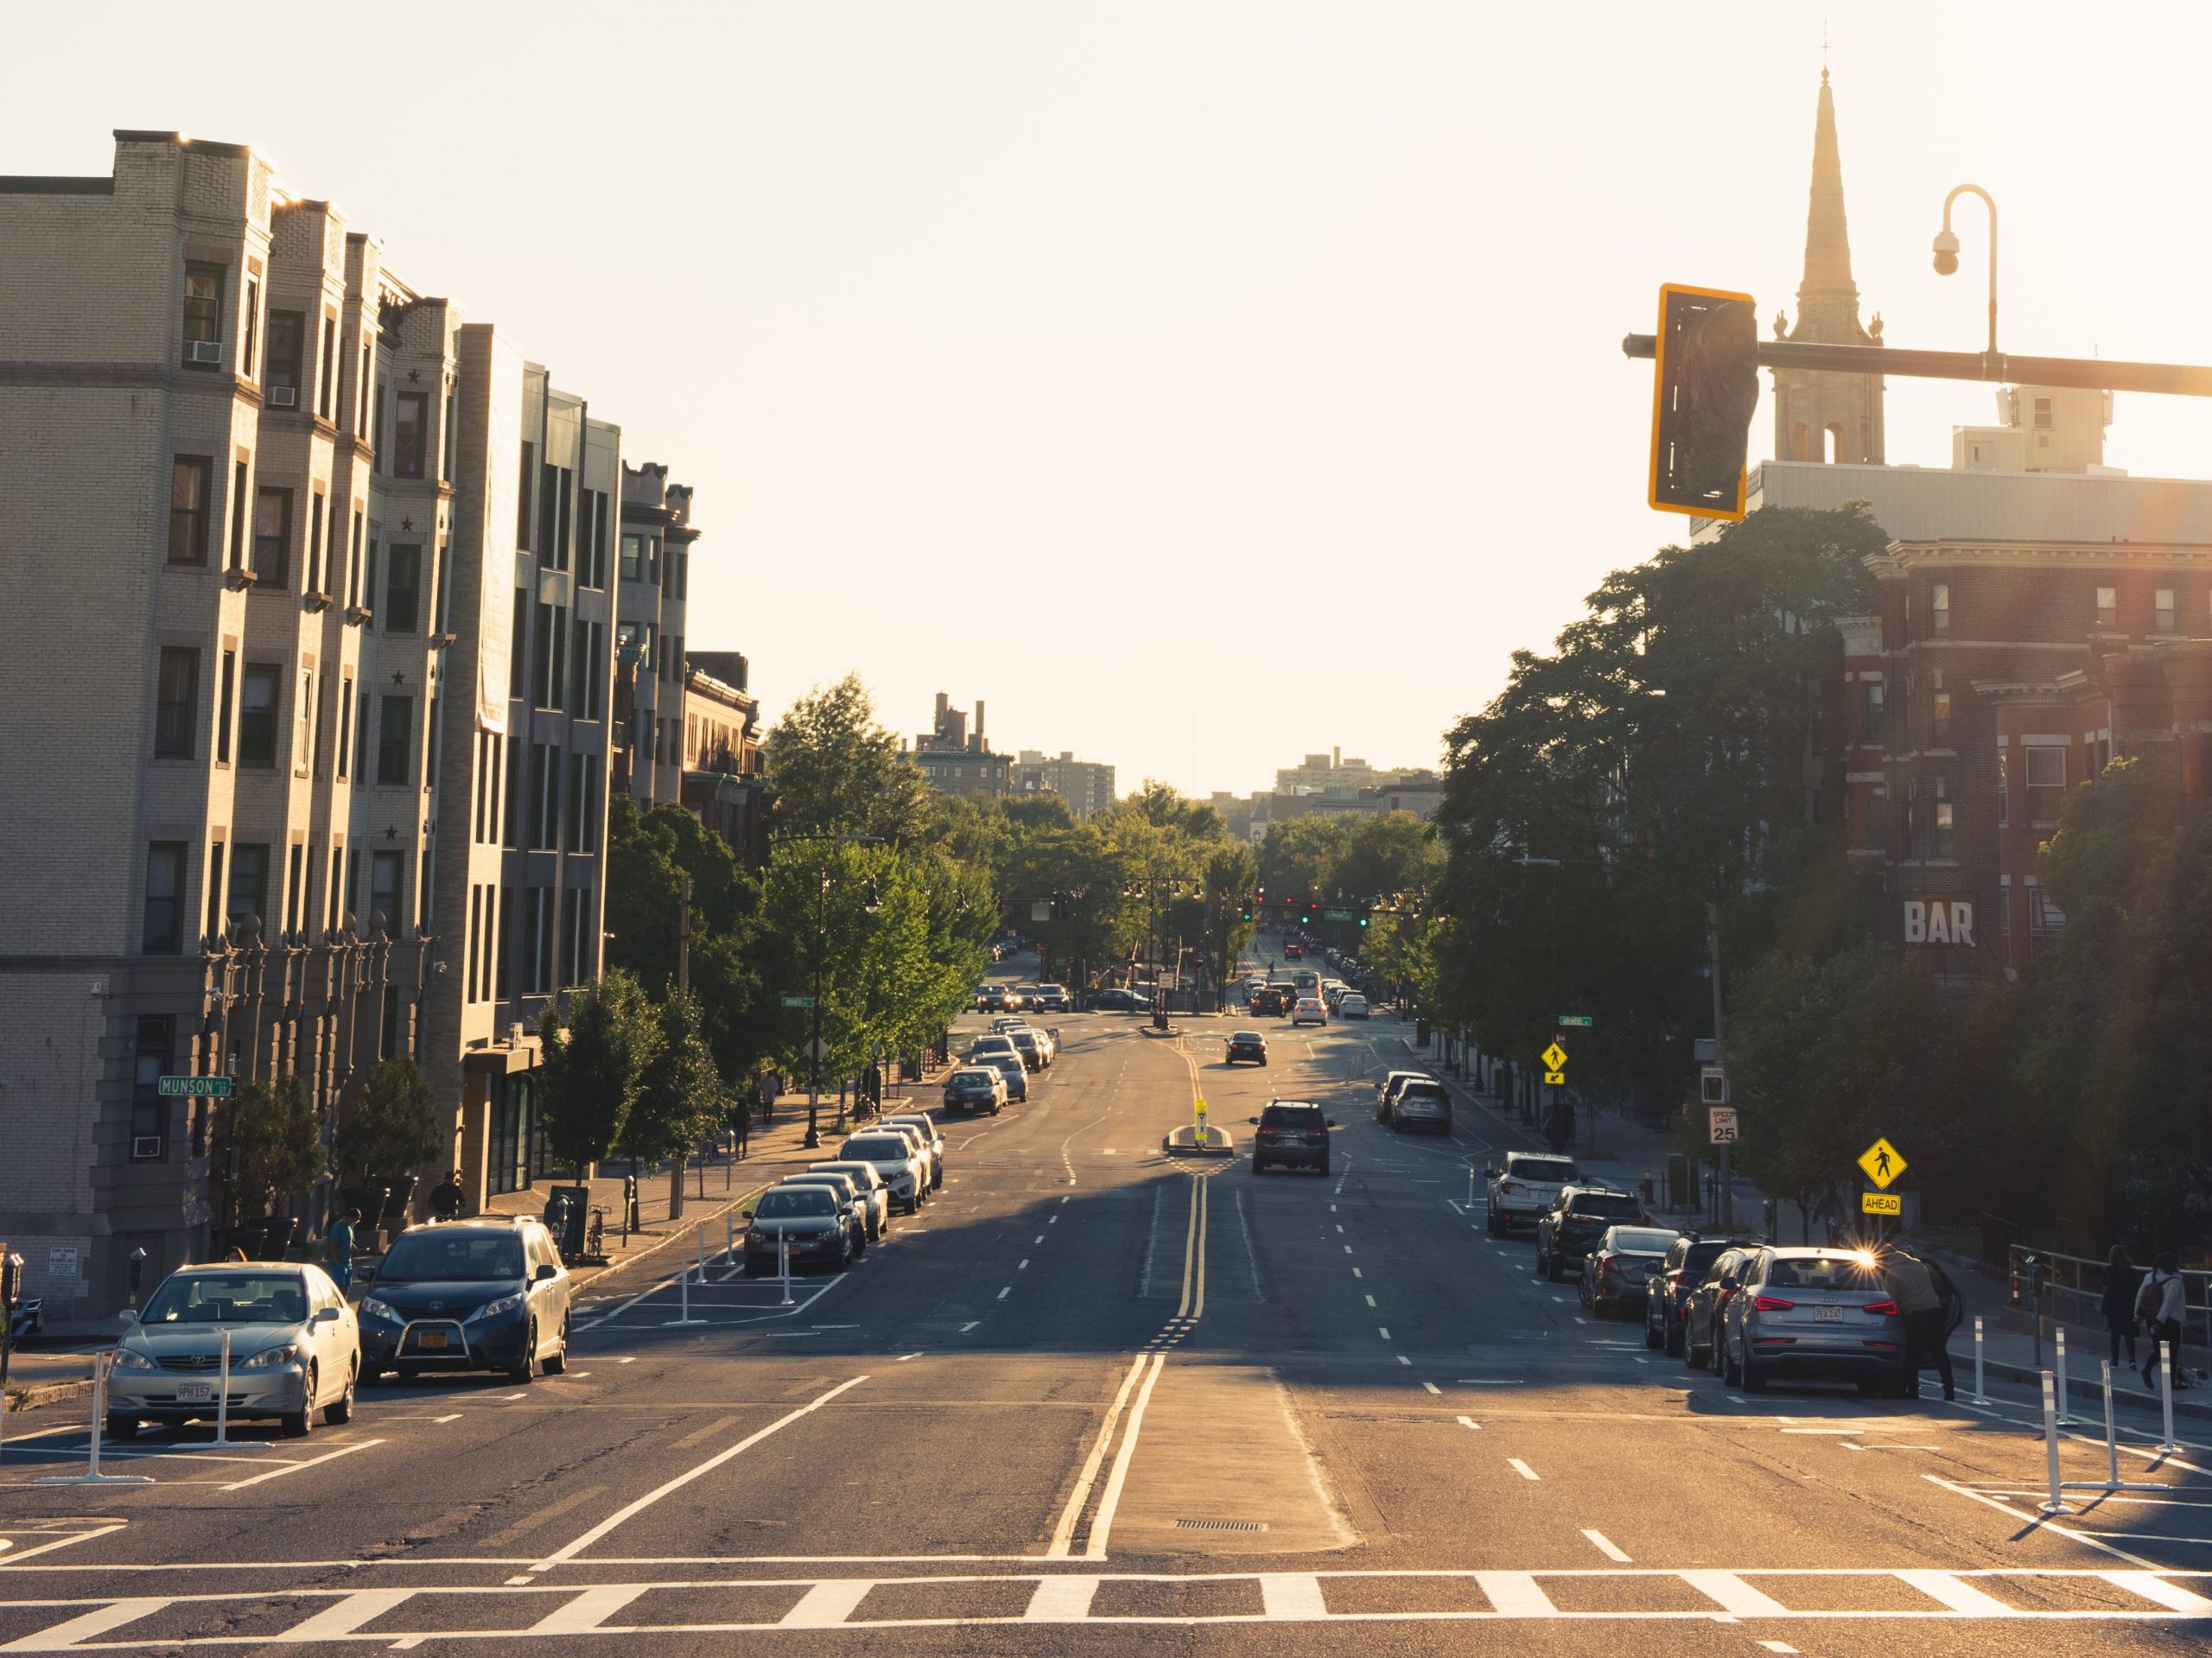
2122	1280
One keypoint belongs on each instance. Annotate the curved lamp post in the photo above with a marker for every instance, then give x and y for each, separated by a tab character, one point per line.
1947	249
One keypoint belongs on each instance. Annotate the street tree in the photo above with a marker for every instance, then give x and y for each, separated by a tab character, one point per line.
275	1134
833	769
681	1098
392	1126
592	1069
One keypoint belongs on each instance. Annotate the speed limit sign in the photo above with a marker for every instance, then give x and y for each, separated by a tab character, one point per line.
1722	1124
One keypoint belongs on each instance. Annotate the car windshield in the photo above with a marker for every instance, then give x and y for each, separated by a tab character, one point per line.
1290	1116
1824	1272
1642	1240
434	1257
1547	1170
1602	1203
788	1203
1245	1036
229	1299
876	1148
863	1175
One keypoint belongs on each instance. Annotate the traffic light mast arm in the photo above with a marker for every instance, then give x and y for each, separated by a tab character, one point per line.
2091	373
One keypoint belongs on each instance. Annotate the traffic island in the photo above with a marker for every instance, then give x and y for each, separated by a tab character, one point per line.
1162	1030
1184	1142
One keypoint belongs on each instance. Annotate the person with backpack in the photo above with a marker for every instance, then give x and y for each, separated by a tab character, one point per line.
2159	1306
2122	1280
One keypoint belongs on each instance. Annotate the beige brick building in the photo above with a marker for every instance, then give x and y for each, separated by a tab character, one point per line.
307	664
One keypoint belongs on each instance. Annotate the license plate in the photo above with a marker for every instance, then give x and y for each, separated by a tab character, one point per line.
194	1393
431	1338
1828	1315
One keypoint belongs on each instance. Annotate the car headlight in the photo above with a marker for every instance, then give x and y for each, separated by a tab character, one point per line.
128	1358
370	1307
493	1309
270	1357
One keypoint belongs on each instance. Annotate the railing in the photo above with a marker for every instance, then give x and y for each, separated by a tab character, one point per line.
2070	1288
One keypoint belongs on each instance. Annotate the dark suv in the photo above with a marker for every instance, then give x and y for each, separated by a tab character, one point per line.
467	1295
1293	1134
1667	1292
1709	1303
1576	1220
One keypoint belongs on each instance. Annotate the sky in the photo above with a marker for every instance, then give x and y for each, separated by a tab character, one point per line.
1200	384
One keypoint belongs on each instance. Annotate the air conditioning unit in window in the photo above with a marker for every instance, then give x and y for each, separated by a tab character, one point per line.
203	351
145	1148
283	396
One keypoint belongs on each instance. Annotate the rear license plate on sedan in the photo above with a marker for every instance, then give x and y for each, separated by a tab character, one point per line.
431	1338
194	1393
1828	1315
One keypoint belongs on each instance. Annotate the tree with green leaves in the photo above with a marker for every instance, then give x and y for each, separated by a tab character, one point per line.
833	770
392	1128
274	1134
681	1098
592	1070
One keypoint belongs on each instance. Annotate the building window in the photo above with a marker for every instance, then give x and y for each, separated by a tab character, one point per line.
361	739
151	1057
402	588
2108	606
361	398
2044	768
445	439
249	889
317	581
431	758
292	894
303	721
345	723
215	891
1940	720
522	497
376	429
1875	725
409	432
238	516
176	703
191	487
398	721
2043	415
442	604
280	375
163	932
1944	841
329	373
2004	788
386	871
2162	617
252	321
353	562
272	536
257	696
1939	606
223	706
633	555
203	311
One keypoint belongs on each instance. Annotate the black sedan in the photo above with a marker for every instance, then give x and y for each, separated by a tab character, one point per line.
807	1221
1577	1218
1246	1044
1614	1274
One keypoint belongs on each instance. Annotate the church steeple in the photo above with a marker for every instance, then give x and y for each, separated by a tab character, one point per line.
1827	417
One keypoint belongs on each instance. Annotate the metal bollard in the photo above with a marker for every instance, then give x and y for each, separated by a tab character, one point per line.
2111	1430
91	1476
729	1241
223	1390
2065	1419
784	1265
2054	1504
1980	1393
699	1237
683	1293
2166	1443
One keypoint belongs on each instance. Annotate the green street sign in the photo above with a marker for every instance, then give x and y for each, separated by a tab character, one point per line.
798	1002
1335	915
196	1087
1576	1018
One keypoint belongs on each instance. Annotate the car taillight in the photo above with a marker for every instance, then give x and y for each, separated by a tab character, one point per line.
1505	1186
1681	1277
1769	1304
1884	1308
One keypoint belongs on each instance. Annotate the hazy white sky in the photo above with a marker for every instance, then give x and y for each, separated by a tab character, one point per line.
1202	383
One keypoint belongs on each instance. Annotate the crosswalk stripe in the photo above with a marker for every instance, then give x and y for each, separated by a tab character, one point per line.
1734	1595
588	1610
1061	1600
827	1605
1292	1595
1516	1594
2151	1587
1958	1596
84	1625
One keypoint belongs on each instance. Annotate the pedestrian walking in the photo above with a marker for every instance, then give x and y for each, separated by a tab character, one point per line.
2159	1305
741	1123
339	1247
1922	1305
2122	1280
446	1198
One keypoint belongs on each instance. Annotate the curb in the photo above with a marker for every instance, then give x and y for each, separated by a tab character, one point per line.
2077	1386
45	1393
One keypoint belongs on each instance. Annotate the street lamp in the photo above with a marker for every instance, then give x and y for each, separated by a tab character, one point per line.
1946	250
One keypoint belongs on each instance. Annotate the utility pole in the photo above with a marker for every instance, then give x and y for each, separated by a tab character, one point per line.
814	1051
1720	1057
683	1154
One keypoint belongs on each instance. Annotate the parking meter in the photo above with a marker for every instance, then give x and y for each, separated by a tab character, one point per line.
11	1280
631	1222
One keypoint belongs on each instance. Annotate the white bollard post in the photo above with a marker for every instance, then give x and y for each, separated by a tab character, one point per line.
2055	1504
729	1241
2065	1419
784	1265
1980	1393
223	1390
2112	1431
91	1476
2166	1444
699	1237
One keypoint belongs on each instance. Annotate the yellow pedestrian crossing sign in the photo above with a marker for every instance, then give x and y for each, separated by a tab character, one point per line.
1555	1058
1882	1162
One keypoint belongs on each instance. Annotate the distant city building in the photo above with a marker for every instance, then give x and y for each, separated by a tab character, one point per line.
958	762
722	776
1087	786
655	573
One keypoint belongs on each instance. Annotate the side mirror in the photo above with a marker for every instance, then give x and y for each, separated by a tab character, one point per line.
1252	1121
1328	1123
546	1269
127	1318
323	1315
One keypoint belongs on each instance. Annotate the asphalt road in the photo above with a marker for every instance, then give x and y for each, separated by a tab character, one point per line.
1095	1400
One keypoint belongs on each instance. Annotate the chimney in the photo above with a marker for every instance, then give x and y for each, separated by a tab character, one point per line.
981	748
1336	757
942	704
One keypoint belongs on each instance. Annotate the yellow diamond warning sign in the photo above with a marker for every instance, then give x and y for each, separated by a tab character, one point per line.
1554	1058
1882	1162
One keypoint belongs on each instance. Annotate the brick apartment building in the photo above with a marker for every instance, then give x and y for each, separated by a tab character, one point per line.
658	536
308	670
959	762
2040	614
1086	785
724	781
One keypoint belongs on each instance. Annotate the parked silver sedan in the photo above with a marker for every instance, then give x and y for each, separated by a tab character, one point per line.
1813	1314
295	1348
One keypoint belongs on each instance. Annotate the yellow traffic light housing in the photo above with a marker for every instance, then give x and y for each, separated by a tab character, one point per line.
1704	387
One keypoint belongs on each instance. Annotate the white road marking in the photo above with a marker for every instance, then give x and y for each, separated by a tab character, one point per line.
1606	1545
295	1467
1101	1523
570	1550
1432	1386
1064	1531
1777	1646
1403	1360
1024	1266
456	1417
969	1326
903	1357
1385	1331
1370	1300
1008	1291
1521	1468
827	1604
1356	1273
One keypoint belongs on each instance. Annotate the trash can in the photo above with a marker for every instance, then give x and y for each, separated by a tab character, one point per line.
1678	1180
566	1209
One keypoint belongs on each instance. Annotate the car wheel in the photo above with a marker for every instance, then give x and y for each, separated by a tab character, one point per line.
558	1362
298	1424
525	1370
1674	1340
1654	1339
1322	1168
339	1411
1751	1375
122	1427
1695	1357
855	1248
1259	1167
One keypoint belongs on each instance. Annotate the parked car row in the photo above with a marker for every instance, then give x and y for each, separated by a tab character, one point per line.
828	1214
1406	1100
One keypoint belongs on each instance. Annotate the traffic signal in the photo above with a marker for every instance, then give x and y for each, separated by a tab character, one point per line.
1363	921
1705	386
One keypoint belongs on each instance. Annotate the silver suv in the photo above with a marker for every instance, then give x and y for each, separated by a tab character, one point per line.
1825	1314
